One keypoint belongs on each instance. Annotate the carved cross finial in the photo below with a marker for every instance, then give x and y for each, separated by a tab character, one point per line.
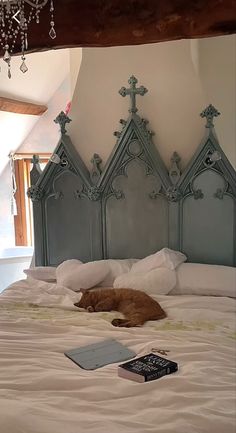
132	92
175	158
210	112
35	159
36	171
62	119
174	172
96	170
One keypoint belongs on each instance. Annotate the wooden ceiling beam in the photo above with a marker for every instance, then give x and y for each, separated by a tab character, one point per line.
20	107
102	23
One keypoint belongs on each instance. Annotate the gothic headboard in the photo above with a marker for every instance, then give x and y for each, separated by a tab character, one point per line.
134	206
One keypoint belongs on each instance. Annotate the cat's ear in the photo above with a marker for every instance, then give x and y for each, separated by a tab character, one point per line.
81	290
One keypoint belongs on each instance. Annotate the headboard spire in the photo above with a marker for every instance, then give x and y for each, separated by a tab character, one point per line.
62	119
36	170
132	91
210	112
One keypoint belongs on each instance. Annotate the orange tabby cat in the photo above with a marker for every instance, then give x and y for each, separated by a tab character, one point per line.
136	306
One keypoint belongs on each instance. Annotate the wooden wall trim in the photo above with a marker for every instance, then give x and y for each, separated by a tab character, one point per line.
20	218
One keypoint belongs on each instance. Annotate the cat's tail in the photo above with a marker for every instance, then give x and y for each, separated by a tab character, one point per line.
137	319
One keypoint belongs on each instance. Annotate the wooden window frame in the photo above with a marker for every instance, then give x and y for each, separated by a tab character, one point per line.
23	221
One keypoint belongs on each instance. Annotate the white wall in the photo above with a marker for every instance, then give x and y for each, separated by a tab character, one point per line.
75	62
7	234
47	70
13	261
46	133
42	138
179	78
217	65
51	79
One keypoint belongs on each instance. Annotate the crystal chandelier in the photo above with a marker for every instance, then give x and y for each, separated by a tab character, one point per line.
15	17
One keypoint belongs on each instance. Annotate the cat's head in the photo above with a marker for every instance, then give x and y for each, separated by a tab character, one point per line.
85	300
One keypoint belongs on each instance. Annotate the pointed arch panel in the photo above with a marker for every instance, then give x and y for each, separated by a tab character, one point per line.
136	216
134	207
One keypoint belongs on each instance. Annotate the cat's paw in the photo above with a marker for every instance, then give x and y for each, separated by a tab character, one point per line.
90	309
123	323
120	322
116	322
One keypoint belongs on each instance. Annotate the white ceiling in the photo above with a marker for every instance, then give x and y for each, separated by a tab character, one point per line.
46	72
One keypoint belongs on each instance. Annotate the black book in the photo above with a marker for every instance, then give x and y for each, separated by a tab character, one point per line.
146	368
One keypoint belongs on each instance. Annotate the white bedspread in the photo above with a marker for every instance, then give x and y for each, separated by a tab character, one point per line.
42	391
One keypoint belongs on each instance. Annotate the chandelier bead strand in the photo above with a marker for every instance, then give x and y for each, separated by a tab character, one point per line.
15	17
52	32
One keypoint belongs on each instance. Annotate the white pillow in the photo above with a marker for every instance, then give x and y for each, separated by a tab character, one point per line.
164	258
116	268
157	281
75	275
43	273
67	267
200	279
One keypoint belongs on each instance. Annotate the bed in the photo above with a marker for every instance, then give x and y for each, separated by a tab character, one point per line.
130	209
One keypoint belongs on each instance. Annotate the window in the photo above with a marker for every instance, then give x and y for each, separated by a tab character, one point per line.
23	220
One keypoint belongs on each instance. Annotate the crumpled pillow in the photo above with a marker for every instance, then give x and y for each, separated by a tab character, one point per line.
76	275
158	281
42	273
165	258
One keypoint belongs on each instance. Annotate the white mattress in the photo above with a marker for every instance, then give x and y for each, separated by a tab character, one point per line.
42	391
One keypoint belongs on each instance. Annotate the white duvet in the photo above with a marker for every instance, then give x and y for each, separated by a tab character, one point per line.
42	391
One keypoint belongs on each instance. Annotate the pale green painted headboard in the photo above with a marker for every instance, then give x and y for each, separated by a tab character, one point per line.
134	206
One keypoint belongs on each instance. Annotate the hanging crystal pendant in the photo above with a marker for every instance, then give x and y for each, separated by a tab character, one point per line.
9	69
23	66
52	32
7	57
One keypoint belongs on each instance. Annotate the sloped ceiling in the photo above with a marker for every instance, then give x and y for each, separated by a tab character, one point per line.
46	73
128	22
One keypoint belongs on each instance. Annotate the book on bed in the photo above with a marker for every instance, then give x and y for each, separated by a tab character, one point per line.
146	368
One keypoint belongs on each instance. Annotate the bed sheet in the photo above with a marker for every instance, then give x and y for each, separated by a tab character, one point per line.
42	391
